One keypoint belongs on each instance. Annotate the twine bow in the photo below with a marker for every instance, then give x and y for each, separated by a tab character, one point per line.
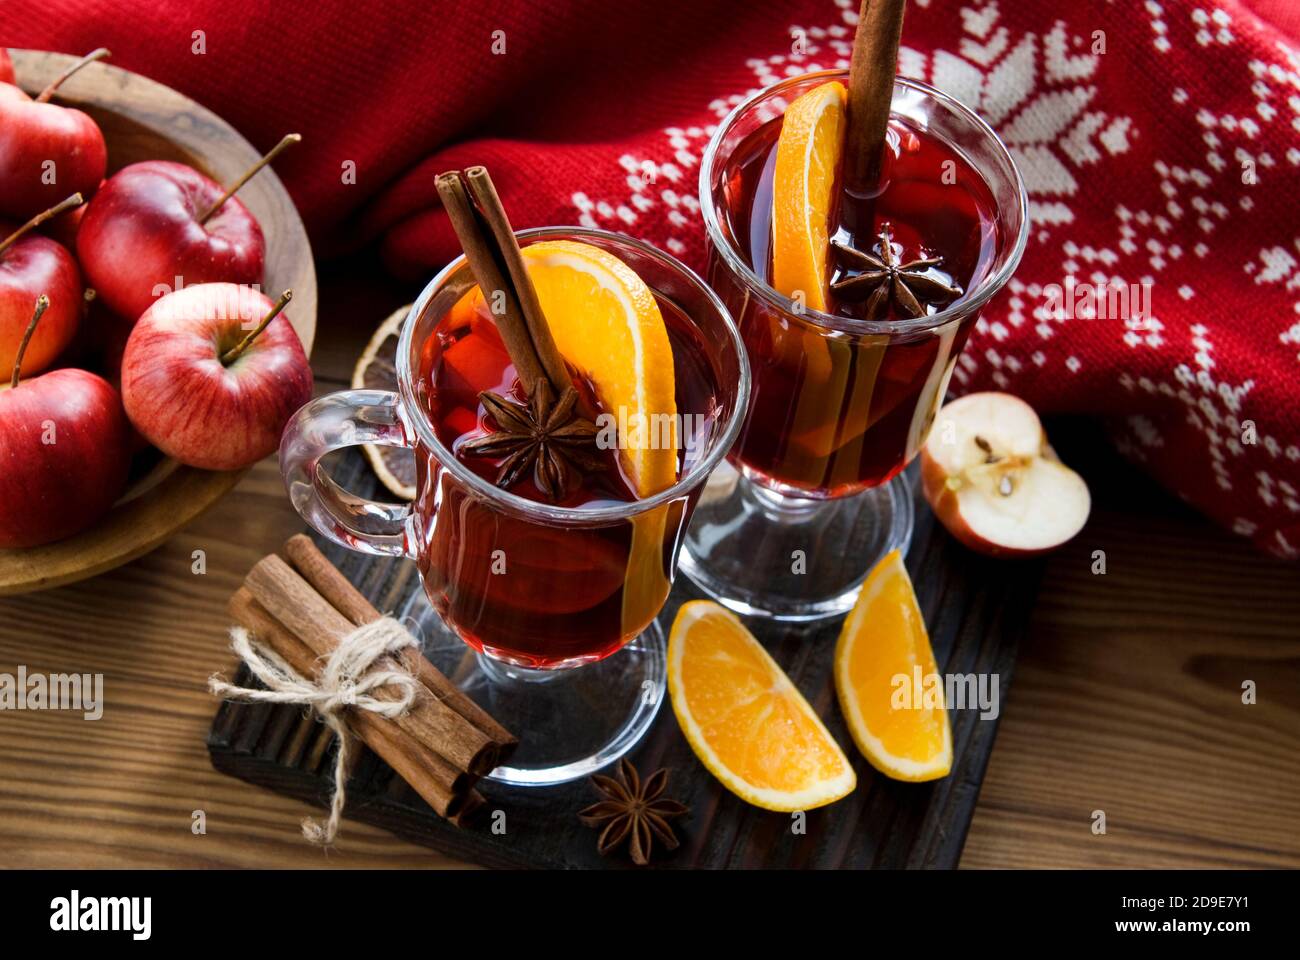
345	682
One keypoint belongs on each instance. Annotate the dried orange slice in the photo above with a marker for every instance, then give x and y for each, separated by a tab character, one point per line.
744	718
895	712
376	369
807	160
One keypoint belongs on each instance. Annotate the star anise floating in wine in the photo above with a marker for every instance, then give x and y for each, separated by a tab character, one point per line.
633	812
548	438
882	279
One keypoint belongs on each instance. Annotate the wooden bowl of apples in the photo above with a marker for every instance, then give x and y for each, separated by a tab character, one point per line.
201	373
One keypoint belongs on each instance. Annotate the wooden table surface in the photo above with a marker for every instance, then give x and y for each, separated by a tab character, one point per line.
1126	699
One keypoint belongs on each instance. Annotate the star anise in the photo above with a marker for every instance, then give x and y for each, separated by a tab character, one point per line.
886	279
550	439
633	812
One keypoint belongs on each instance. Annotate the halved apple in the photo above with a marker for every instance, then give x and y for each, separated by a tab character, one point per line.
995	483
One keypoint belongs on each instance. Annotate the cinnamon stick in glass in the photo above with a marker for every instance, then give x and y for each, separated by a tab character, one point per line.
492	278
493	214
871	92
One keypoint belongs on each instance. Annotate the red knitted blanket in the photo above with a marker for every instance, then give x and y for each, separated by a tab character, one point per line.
1159	141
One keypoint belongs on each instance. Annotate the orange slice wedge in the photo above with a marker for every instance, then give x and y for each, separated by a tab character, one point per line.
608	326
807	160
889	687
744	718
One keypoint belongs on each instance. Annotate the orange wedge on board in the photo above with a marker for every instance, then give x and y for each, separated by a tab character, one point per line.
744	718
807	160
882	662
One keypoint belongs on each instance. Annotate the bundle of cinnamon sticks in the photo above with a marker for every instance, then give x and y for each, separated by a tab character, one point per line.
300	606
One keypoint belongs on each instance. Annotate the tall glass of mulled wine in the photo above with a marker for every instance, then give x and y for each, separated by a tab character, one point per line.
843	397
521	587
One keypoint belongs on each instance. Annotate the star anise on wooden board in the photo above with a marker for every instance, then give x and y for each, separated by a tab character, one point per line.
633	812
883	278
549	439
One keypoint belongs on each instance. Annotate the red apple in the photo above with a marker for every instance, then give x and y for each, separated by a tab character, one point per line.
157	226
141	236
98	347
212	373
31	265
6	67
63	454
86	348
113	334
46	151
995	483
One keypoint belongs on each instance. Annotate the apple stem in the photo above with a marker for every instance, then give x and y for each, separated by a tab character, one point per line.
100	54
235	352
289	140
42	303
72	201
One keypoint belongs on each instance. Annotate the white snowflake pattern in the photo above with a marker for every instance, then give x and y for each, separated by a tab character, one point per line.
1040	91
1038	101
1051	131
1276	265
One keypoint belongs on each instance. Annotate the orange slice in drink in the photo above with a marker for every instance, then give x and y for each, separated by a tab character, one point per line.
744	718
807	160
608	326
889	688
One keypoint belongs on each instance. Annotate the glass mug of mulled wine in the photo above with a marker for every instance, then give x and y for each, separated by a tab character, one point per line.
844	398
519	588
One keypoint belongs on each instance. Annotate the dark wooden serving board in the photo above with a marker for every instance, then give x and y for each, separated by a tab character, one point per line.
976	610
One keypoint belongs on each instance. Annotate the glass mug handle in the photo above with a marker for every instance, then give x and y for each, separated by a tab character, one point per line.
346	419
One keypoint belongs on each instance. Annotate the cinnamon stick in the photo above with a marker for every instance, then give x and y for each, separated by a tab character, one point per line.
440	784
409	764
871	91
293	602
469	811
331	584
319	746
484	192
303	729
490	247
492	278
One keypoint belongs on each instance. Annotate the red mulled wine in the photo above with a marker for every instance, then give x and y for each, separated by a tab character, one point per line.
513	585
836	409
